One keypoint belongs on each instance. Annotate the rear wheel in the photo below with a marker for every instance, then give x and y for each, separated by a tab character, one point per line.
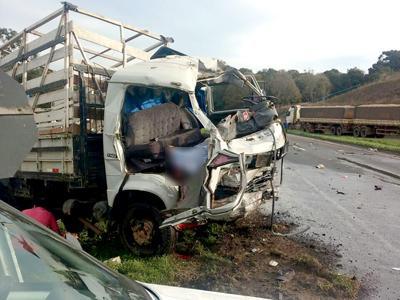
333	130
140	232
338	131
364	132
356	131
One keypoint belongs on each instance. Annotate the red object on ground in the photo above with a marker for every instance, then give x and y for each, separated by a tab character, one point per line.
43	216
187	226
183	256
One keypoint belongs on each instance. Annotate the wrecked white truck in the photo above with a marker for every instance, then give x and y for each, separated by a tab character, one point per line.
135	144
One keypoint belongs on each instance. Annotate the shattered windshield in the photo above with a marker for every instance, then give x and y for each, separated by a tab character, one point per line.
35	262
229	96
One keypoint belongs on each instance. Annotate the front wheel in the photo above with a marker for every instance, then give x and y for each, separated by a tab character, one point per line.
140	232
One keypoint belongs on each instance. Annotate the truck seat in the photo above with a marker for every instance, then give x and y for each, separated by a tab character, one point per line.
151	131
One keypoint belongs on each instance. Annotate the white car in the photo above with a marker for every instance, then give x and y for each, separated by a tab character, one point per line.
36	263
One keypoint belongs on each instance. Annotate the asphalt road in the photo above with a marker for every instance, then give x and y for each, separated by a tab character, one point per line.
342	206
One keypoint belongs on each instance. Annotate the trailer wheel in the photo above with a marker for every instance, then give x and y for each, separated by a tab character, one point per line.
339	131
333	130
140	232
356	131
363	131
309	127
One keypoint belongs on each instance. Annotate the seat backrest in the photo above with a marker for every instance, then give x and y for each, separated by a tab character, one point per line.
147	125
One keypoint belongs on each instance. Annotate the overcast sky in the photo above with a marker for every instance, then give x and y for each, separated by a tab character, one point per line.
281	34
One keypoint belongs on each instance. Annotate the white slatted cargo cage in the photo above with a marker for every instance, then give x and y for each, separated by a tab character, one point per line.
64	67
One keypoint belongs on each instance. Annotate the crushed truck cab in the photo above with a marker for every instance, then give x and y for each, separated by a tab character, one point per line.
235	174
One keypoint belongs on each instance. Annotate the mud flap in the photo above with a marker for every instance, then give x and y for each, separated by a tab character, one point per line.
202	213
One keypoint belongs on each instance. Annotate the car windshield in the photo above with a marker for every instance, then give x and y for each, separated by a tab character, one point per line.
36	263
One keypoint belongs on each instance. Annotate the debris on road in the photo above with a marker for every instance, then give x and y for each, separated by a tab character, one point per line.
373	149
114	260
396	269
320	166
294	146
287	276
273	263
377	187
340	192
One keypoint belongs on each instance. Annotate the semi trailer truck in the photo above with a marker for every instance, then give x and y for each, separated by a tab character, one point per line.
125	133
373	120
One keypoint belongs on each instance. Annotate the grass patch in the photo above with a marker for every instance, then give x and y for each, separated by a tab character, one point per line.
310	263
345	283
160	270
219	257
385	144
329	282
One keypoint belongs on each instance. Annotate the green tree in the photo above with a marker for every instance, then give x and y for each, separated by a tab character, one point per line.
313	87
355	76
246	71
5	35
339	80
279	84
388	62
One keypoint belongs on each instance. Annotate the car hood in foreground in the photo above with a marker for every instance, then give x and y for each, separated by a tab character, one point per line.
165	292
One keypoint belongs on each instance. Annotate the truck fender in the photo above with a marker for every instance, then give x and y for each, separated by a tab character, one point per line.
159	185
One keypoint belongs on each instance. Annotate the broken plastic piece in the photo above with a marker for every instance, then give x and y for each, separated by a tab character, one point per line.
273	263
287	276
115	260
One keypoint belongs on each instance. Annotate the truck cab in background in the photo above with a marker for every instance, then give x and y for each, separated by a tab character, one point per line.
293	117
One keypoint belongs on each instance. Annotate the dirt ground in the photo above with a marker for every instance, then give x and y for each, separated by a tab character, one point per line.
238	258
239	262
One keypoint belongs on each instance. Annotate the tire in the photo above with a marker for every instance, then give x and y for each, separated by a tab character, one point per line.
333	130
363	132
309	128
356	131
140	233
338	131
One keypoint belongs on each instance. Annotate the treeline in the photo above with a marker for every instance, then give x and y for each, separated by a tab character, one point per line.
293	86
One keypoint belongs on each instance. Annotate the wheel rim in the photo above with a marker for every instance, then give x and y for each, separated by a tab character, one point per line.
333	130
142	231
356	132
338	131
363	132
